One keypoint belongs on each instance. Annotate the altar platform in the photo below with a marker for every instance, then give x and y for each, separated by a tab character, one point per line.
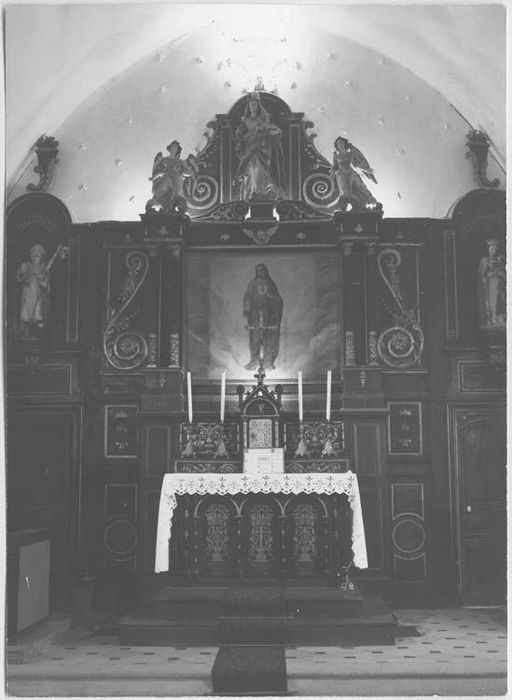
262	614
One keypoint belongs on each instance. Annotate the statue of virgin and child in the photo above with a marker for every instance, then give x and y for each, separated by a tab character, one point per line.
260	150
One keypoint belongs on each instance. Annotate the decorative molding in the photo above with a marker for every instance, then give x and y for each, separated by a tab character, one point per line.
195	467
117	530
450	285
407	529
126	497
480	377
395	488
338	466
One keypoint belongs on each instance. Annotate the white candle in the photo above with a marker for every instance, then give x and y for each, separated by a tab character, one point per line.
328	398
299	375
189	396
222	396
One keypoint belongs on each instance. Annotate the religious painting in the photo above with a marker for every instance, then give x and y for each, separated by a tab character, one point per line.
120	431
404	428
280	309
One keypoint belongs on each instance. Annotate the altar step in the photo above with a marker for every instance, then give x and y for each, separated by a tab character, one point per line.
375	626
192	602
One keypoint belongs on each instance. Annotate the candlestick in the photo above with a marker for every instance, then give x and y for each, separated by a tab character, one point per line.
189	396
328	397
299	375
222	396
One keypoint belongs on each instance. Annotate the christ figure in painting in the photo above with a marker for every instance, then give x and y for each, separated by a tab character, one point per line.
263	310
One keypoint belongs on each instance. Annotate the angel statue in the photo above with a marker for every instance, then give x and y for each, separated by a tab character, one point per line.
347	161
169	172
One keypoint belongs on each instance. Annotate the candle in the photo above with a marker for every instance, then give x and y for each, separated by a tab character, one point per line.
189	396
328	398
299	375
222	396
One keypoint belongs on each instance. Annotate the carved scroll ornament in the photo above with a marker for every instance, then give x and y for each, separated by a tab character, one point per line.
124	347
400	346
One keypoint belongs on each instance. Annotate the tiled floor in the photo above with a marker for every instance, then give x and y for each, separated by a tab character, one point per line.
465	644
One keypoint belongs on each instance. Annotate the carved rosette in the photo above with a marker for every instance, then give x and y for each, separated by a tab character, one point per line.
126	348
400	346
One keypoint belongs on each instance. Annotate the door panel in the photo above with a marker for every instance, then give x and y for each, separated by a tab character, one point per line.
479	502
41	482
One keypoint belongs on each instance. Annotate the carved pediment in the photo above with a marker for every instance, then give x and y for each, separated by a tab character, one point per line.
260	148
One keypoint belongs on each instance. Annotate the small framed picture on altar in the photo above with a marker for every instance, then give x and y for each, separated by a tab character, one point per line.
120	431
405	430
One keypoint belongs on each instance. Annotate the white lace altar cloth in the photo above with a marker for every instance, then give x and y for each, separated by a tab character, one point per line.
174	485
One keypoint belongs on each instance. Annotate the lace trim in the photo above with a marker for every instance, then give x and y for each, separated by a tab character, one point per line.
230	484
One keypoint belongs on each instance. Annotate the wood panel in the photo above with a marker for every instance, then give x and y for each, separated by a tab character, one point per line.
367	449
43	486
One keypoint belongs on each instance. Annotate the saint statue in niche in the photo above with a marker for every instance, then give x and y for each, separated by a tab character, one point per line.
491	288
347	160
258	145
263	310
34	276
167	177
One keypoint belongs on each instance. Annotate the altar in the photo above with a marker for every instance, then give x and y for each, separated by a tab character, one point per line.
175	485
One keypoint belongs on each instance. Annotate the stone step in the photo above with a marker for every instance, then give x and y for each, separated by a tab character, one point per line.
187	602
250	669
375	626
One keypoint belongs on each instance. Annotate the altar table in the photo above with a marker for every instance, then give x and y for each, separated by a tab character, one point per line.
174	485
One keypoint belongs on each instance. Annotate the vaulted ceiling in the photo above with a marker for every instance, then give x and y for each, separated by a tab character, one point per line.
115	83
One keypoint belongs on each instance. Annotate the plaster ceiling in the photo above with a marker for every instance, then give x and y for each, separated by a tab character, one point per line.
114	83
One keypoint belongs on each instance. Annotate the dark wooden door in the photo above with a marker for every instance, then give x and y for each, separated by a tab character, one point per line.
42	488
478	436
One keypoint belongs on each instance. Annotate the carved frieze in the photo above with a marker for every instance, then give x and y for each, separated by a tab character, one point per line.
314	440
209	441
